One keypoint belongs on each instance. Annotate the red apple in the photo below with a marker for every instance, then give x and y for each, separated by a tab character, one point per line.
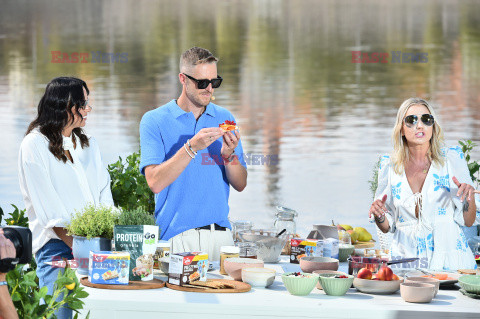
385	274
364	273
395	277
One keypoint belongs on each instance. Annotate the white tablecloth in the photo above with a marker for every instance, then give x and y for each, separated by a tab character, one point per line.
272	302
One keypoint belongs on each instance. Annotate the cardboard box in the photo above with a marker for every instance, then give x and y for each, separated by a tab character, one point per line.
109	267
303	247
140	242
186	267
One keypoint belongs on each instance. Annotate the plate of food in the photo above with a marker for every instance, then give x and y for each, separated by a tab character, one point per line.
446	278
228	126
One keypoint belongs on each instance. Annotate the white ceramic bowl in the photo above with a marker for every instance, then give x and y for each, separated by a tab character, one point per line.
377	286
258	277
417	292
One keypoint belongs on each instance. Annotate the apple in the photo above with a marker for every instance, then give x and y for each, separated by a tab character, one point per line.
364	273
374	277
385	274
340	227
395	277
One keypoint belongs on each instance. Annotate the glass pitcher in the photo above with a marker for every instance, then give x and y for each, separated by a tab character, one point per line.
285	219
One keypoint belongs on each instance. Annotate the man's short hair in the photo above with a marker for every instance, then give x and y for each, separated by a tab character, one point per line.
195	56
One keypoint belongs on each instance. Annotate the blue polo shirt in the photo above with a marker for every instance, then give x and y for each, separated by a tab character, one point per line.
199	196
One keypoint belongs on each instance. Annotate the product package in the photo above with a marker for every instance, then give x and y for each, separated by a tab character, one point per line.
303	247
187	267
109	267
140	242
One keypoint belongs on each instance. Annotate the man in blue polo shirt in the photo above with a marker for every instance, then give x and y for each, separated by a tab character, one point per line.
190	162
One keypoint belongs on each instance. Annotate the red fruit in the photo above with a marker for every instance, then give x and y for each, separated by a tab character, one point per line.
364	273
385	274
395	277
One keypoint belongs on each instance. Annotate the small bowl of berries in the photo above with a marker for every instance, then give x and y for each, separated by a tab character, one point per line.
299	283
336	284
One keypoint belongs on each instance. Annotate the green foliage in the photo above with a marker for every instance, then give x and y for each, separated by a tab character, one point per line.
473	166
17	218
94	221
374	181
26	294
136	216
129	187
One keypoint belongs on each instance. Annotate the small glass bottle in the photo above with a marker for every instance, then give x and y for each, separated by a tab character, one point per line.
227	252
247	250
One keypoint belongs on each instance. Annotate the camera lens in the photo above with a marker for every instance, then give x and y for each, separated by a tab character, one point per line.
16	240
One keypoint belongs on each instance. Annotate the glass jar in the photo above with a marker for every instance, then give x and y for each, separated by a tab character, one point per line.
285	219
227	252
247	250
239	226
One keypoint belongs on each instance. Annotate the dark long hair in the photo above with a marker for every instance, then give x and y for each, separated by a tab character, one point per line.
54	113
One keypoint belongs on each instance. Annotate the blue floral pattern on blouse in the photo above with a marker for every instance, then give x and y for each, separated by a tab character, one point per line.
442	211
396	190
458	150
441	182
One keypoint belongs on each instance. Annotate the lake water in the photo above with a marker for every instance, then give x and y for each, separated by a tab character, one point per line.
288	79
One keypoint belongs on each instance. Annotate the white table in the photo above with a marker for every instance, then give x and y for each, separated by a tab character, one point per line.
272	302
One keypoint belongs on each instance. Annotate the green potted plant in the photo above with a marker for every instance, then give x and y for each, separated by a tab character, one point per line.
92	230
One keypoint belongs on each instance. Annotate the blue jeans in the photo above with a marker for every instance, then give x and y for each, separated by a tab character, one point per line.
53	250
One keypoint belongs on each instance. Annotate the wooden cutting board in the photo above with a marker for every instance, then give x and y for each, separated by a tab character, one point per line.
239	287
132	285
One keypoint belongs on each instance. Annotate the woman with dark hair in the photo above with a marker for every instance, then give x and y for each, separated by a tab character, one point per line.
60	171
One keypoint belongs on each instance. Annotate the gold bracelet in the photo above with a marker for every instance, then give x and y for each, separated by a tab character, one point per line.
185	147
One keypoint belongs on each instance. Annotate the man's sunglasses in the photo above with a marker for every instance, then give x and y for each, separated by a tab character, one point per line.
203	84
412	120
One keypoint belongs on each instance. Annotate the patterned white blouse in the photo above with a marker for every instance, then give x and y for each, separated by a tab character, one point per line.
435	236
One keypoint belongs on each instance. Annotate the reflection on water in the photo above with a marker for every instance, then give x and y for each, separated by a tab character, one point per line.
288	76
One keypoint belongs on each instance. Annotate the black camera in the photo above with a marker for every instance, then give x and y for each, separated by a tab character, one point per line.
21	237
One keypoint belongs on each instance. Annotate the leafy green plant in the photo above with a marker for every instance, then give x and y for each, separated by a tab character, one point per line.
26	294
93	221
473	166
136	216
129	187
17	218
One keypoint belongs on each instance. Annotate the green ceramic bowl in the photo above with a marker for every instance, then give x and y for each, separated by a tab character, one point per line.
344	251
300	286
470	283
335	286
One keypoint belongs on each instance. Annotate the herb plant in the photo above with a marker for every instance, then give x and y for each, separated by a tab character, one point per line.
94	221
136	216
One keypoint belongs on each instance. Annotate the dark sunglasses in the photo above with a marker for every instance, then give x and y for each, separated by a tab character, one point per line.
203	84
412	120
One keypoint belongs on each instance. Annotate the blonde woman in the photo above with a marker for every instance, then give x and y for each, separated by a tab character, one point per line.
425	193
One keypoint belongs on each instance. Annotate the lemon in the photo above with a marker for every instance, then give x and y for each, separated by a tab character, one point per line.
71	286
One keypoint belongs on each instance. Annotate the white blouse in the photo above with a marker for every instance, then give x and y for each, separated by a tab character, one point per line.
435	236
53	190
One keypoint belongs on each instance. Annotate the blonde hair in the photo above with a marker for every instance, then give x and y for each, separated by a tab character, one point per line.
400	154
195	56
